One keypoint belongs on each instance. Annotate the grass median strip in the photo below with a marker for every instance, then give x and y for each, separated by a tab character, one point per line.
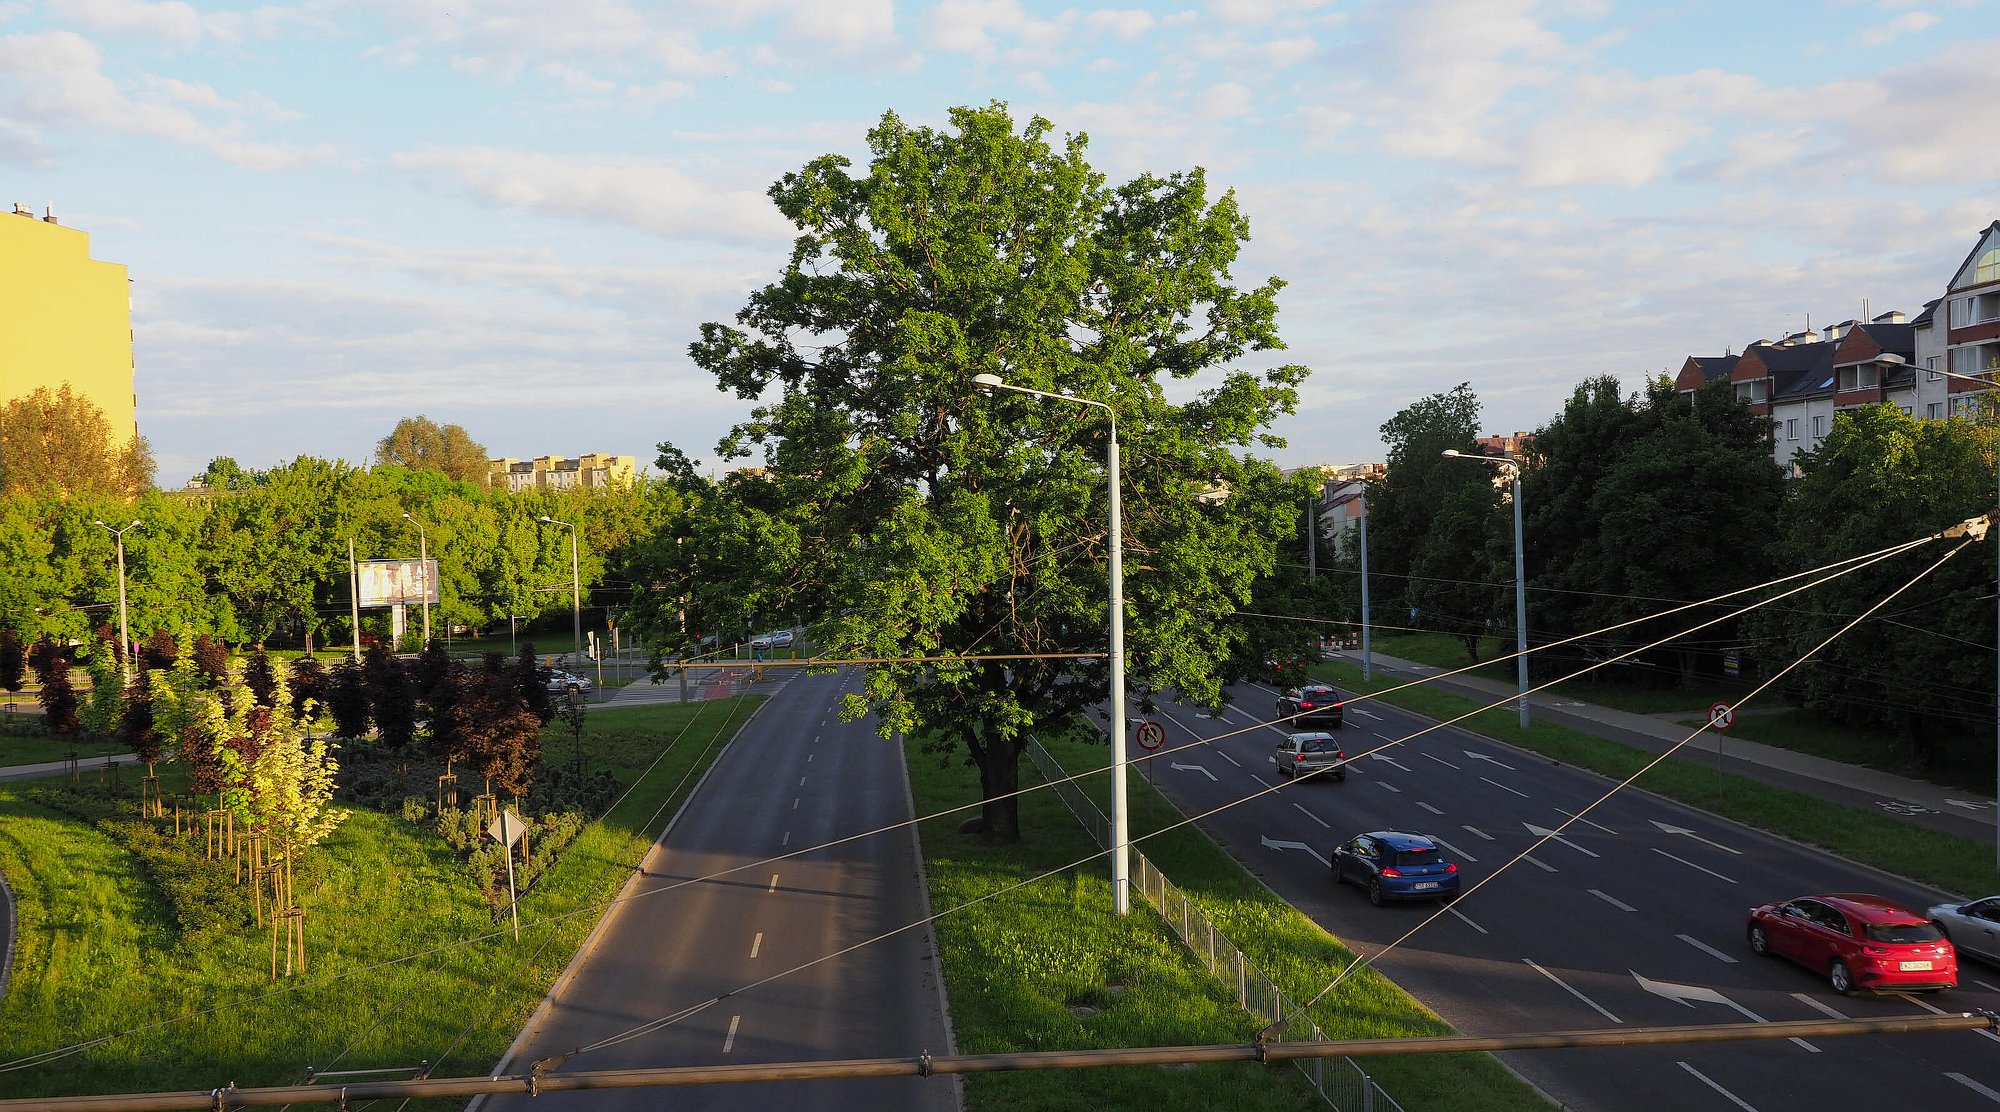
1050	967
97	955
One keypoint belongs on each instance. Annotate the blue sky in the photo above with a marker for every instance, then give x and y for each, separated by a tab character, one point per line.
513	215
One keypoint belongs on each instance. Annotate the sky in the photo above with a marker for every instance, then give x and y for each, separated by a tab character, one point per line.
514	215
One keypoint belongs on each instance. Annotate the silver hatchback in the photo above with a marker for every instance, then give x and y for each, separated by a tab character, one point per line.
1310	754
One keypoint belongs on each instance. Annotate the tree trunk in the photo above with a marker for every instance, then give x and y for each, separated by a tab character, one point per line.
999	763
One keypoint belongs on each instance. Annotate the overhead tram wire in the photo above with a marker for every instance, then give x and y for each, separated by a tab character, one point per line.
1850	563
1361	962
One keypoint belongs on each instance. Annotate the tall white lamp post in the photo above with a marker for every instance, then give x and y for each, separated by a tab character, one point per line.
575	591
1512	467
124	627
424	558
1121	876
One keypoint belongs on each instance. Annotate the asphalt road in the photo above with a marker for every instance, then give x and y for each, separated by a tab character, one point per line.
1636	918
796	777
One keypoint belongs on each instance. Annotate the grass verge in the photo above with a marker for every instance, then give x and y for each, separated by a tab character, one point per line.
1021	965
1931	857
406	963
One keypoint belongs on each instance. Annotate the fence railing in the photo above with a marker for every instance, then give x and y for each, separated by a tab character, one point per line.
1340	1081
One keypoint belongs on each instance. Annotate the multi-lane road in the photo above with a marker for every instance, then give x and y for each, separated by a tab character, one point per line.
781	956
1634	917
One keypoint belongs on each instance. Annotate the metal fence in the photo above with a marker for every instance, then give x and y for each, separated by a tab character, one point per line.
1340	1081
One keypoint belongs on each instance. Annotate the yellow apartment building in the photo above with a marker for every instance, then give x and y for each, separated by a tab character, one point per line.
594	470
65	318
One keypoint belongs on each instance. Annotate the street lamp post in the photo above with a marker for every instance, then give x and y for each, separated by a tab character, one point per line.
575	591
424	558
124	627
1121	882
1512	467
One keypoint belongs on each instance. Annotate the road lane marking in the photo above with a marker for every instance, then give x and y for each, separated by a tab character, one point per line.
1692	865
1391	760
1615	901
1585	821
756	944
1546	834
1705	948
1686	995
1310	815
1817	1005
1179	767
787	840
1665	829
1538	864
1468	922
1935	1010
774	883
1431	809
1390	786
1504	787
1726	1094
1975	1086
1489	760
809	758
729	1040
1455	851
1573	992
1480	833
1273	843
1986	984
802	781
1367	714
795	804
1227	757
1441	761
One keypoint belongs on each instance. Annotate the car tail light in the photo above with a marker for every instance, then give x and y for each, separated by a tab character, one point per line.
1305	704
1450	867
1298	756
1392	871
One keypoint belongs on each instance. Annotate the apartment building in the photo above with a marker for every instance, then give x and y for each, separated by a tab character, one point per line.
65	319
593	471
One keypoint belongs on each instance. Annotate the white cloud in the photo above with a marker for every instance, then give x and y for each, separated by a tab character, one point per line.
1225	100
847	27
650	195
962	26
171	23
1128	24
1906	24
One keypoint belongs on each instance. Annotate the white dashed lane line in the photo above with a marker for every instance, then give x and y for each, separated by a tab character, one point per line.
729	1040
757	944
1614	901
1428	807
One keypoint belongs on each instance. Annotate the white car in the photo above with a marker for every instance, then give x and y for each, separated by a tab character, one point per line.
1972	928
562	683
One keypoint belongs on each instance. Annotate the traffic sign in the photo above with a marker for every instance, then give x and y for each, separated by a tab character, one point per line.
1152	735
1721	715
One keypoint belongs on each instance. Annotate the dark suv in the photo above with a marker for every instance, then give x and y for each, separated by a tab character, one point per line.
1314	704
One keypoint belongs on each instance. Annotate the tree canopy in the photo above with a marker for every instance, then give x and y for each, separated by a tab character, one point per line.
928	520
58	442
422	444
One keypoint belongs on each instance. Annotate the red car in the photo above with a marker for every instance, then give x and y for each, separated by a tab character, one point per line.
1858	941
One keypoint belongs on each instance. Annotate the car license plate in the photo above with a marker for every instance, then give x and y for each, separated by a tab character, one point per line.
1915	966
1426	884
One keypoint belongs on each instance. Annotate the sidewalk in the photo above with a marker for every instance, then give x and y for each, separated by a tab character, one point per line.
1967	814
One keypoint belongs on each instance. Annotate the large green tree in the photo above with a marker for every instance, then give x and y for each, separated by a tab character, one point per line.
422	444
58	441
935	525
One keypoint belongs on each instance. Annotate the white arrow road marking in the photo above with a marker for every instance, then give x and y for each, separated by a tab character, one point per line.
1613	900
1310	815
1934	1010
1365	714
1391	760
1726	1094
1428	807
1468	922
1665	829
1490	760
1273	843
1545	832
1504	787
1817	1005
1390	786
1970	805
1455	851
1688	994
1975	1086
1441	761
1585	821
1192	768
1573	992
1478	833
1706	948
1692	865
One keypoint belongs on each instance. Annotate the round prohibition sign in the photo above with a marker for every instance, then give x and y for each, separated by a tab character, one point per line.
1152	735
1721	716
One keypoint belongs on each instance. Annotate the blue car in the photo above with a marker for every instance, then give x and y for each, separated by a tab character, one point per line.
1392	865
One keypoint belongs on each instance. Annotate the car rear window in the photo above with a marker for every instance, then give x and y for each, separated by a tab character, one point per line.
1904	932
1321	745
1427	856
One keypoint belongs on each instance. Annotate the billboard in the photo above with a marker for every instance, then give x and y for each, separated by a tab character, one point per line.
397	582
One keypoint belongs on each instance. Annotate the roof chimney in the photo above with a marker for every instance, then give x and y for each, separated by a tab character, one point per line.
1894	316
48	214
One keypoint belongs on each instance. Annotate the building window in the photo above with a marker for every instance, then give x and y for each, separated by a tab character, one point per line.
1819	426
1791	428
1934	411
1907	411
1865	376
1988	267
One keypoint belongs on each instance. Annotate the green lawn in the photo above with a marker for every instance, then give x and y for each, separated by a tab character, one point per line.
406	962
1018	964
29	749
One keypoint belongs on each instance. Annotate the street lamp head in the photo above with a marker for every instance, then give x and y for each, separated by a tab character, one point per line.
407	517
1451	453
988	381
546	518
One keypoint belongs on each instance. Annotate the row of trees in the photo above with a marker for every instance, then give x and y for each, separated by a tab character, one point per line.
1634	505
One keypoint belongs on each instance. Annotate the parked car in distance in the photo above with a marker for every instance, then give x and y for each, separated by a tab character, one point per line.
1315	704
1393	865
1310	754
781	638
1857	940
1971	928
562	683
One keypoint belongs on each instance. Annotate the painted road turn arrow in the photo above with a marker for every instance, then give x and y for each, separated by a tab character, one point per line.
1273	843
1544	832
1489	760
1686	995
1192	768
1665	829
